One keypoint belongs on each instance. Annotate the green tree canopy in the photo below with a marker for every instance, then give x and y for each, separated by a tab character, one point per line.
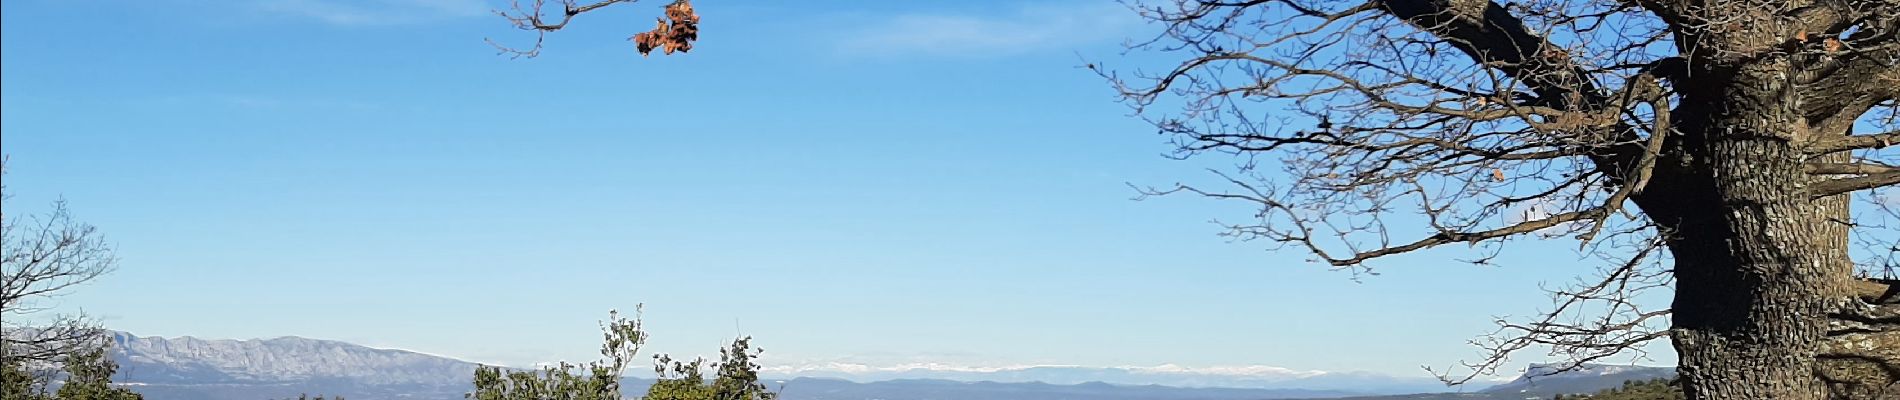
736	376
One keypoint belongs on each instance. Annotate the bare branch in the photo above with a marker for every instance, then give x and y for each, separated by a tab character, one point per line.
675	32
1849	168
1646	164
1855	142
1617	326
42	259
1838	186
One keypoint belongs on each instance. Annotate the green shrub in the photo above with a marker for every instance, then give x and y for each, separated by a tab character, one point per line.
736	378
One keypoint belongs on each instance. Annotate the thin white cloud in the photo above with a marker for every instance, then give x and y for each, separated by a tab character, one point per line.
374	12
1008	31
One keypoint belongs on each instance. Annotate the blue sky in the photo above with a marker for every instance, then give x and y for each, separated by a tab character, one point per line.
842	180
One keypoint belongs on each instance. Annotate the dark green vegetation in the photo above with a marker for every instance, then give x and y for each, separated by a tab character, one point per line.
1655	389
87	376
736	376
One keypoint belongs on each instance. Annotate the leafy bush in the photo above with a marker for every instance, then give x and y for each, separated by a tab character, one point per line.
737	376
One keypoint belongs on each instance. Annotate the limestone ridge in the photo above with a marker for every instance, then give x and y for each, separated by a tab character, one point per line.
1587	378
189	360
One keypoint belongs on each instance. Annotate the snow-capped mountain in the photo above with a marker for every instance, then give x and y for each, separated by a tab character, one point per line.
285	359
1252	376
1544	379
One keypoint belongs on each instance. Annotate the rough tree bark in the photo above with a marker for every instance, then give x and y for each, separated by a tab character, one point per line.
1758	266
1761	263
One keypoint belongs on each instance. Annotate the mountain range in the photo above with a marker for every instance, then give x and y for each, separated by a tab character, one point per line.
188	368
1251	377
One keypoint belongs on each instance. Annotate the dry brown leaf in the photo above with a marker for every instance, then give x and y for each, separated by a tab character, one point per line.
676	32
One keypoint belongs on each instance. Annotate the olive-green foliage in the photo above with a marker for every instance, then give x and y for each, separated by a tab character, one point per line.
1655	389
88	377
737	377
17	383
597	380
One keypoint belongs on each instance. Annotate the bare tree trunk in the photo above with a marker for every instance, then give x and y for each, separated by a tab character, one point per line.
1752	307
1760	266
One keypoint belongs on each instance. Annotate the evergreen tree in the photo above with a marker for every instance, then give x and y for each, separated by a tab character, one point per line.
17	383
89	377
1655	389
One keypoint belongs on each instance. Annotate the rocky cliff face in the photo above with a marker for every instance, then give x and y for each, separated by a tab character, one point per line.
1543	380
284	359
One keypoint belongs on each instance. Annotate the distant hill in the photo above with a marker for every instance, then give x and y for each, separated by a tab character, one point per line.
200	369
189	368
933	389
1538	382
1255	377
1446	396
285	359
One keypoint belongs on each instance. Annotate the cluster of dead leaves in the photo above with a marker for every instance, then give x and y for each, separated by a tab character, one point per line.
1831	44
676	32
